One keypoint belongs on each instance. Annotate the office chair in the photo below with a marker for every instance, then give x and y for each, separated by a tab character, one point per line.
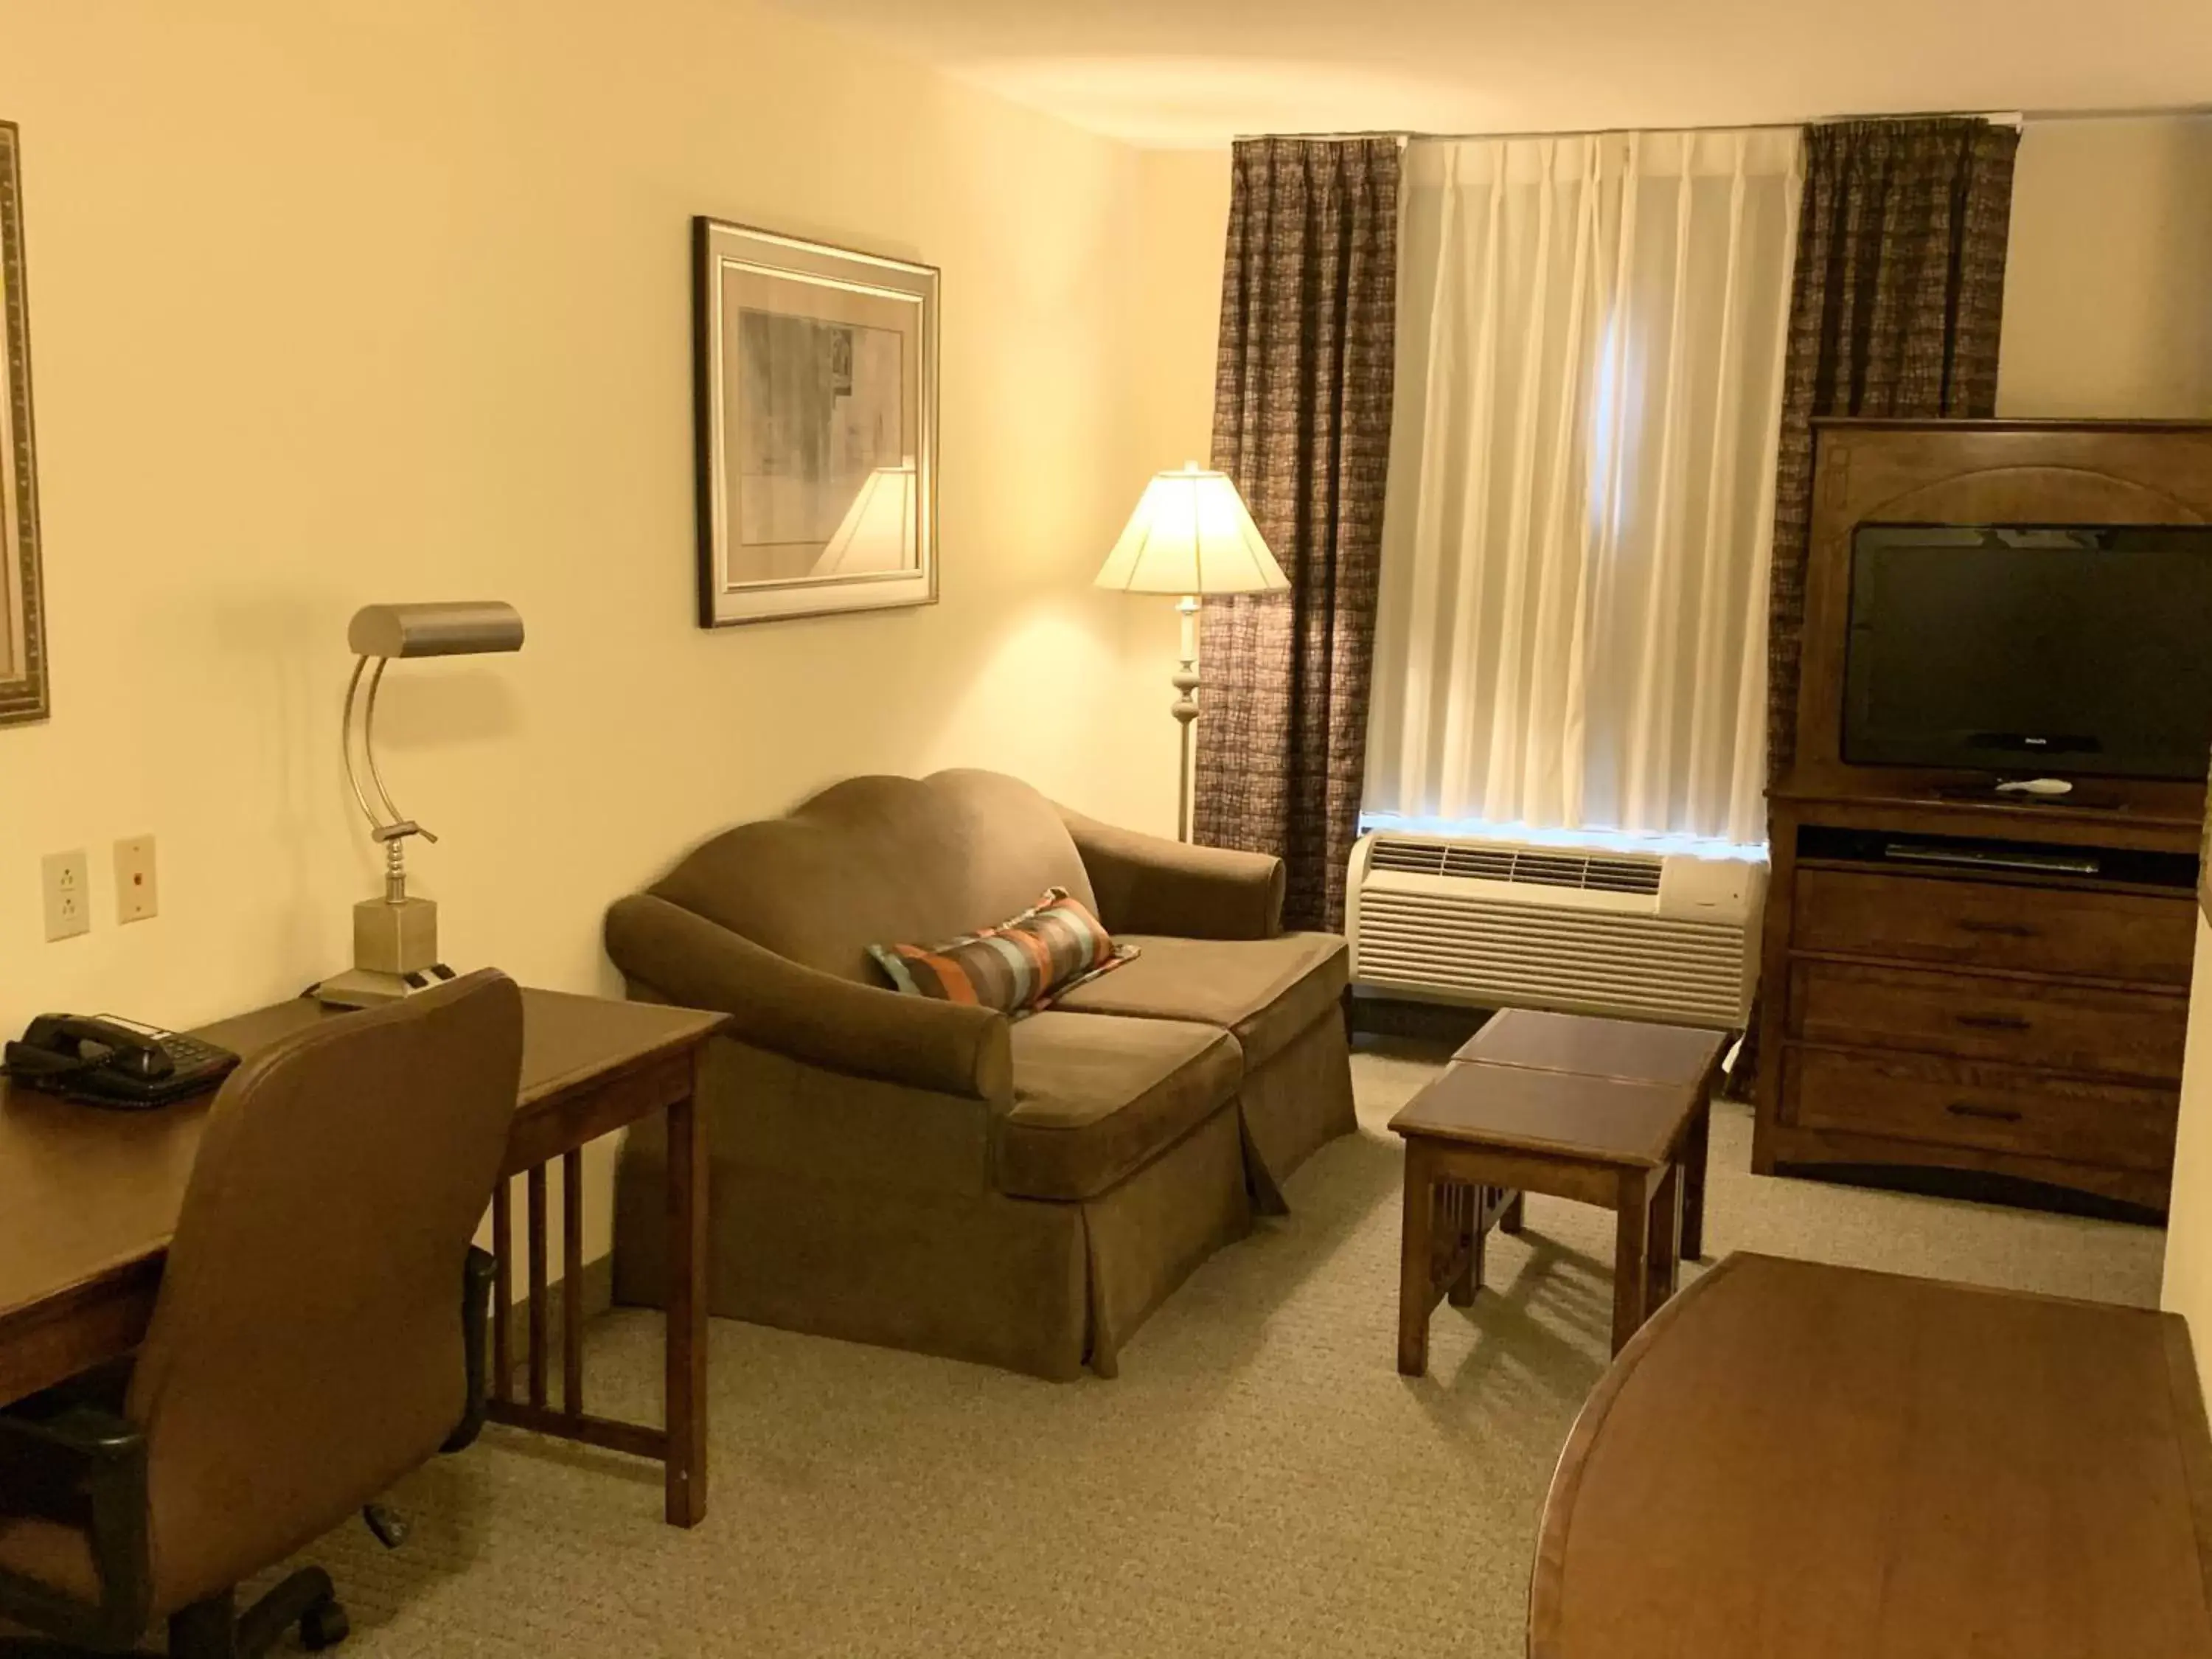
304	1352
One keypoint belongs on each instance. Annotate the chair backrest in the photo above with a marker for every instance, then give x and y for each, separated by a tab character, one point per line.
882	860
306	1347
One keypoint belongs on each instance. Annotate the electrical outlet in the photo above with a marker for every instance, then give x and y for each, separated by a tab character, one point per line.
136	896
68	895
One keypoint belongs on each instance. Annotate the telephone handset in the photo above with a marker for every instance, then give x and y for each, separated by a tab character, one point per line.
109	1062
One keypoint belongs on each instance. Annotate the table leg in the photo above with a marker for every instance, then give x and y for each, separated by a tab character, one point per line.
572	1282
1516	1217
1662	1254
1416	1291
1466	1213
502	1292
534	1187
1694	1150
1632	1234
686	1404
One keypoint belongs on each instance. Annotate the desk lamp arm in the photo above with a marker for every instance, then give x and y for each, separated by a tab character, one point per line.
389	826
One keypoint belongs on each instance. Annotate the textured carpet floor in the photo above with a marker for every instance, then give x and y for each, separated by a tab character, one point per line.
1259	1481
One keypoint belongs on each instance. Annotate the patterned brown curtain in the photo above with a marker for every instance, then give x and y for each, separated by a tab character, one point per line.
1894	311
1302	422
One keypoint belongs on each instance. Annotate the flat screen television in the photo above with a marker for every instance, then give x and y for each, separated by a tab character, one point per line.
2031	650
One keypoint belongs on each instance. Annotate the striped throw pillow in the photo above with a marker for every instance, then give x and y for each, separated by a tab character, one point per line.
1018	966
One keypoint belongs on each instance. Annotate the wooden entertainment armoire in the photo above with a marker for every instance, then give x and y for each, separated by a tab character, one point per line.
1976	1016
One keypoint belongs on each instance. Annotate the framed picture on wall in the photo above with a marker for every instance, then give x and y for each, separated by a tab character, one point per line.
816	388
23	633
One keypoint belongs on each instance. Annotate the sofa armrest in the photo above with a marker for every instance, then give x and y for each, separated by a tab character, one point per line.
1149	884
805	1014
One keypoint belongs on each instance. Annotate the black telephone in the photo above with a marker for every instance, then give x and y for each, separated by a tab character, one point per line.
107	1061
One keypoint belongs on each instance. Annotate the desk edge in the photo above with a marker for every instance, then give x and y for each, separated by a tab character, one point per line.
2196	1434
1546	1577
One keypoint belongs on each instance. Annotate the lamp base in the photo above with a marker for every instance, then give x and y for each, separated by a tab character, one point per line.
395	954
364	988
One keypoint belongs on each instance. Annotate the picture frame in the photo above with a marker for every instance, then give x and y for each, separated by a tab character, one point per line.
23	678
816	409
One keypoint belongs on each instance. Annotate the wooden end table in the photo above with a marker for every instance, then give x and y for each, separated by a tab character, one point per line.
1481	1134
1628	1050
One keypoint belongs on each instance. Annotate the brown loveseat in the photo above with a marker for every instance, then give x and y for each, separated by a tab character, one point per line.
890	1169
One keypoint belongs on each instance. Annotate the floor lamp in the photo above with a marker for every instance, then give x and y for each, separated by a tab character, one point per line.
1191	536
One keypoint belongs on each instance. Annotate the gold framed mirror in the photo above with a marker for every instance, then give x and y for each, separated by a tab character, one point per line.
22	614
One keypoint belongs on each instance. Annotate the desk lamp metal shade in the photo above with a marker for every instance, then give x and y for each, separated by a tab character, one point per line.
1191	535
395	938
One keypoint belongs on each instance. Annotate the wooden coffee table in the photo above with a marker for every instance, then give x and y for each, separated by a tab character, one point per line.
1625	1048
1485	1133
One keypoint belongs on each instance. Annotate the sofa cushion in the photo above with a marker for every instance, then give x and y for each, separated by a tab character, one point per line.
1095	1098
1263	991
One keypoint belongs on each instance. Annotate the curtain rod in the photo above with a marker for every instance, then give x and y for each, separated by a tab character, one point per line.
2001	117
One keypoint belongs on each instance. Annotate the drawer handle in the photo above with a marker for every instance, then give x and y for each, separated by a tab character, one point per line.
2000	929
1995	1114
1993	1022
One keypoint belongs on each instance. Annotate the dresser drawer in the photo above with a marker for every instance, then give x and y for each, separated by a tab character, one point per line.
2048	930
2068	1028
1944	1104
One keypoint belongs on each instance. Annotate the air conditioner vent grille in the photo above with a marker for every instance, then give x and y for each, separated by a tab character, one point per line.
1516	954
1532	867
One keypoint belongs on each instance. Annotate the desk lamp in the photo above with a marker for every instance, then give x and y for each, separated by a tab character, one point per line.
395	938
1191	535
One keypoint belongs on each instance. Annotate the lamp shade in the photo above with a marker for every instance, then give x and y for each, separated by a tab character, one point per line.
877	534
1191	534
448	629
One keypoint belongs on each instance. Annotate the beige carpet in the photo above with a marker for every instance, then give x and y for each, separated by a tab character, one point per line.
1259	1481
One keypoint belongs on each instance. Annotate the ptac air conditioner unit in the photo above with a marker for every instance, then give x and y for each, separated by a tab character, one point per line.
1672	938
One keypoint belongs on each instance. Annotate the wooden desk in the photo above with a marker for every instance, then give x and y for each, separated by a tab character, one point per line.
1798	1461
89	1198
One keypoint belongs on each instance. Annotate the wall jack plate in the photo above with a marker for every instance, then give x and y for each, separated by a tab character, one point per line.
137	895
67	888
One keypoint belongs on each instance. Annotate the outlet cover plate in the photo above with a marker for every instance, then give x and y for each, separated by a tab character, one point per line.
67	884
137	896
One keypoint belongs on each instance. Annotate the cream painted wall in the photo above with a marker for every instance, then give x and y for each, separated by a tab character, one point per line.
2108	284
1184	196
333	303
1185	216
2188	1285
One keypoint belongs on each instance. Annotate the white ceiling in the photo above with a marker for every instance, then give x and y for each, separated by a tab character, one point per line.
1196	73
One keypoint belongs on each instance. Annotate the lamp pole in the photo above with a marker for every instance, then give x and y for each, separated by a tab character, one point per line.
1185	707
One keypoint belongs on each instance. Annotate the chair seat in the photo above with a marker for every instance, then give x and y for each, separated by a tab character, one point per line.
1095	1098
54	1554
1263	991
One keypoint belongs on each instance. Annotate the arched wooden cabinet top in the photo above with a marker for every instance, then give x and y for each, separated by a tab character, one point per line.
1973	472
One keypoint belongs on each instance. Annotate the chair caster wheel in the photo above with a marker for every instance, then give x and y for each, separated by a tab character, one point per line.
324	1626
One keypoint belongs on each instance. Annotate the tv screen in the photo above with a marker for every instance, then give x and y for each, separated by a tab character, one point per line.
2065	650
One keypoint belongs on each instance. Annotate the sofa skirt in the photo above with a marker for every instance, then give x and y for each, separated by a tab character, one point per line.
1026	1284
1294	1104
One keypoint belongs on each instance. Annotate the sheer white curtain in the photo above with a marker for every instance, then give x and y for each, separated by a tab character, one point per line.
1581	501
